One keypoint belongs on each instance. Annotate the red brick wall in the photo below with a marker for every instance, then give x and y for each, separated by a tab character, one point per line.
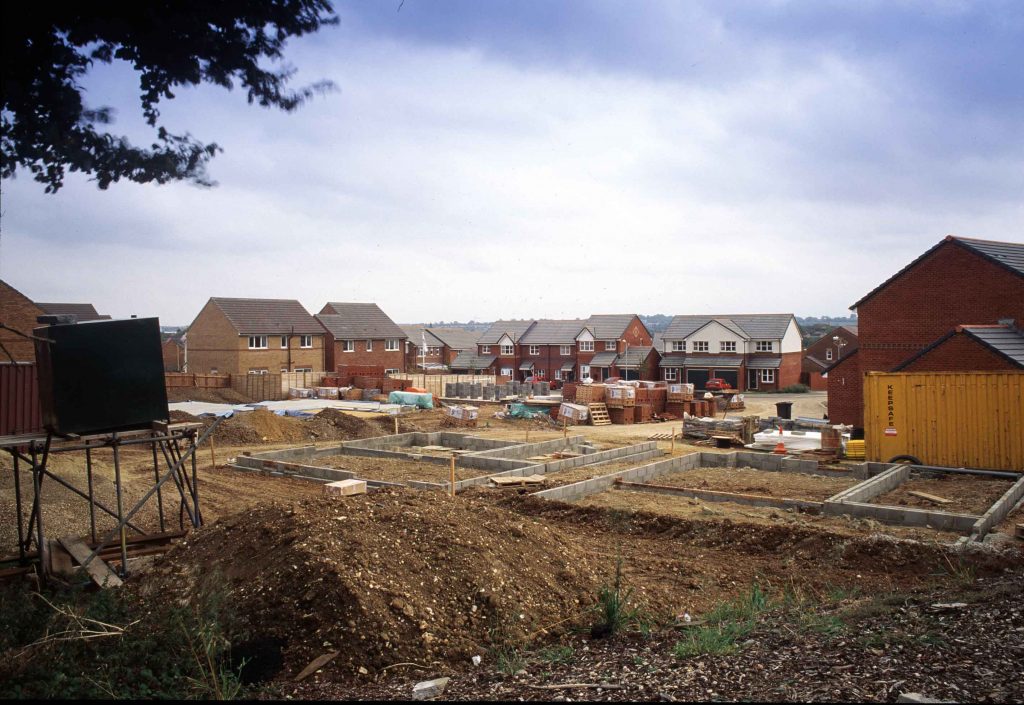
413	359
548	359
961	353
18	312
377	356
789	370
174	356
846	391
816	382
949	287
818	348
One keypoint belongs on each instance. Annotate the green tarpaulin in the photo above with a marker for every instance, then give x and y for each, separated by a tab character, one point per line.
423	401
524	411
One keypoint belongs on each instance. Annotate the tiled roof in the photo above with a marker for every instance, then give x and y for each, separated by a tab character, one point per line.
417	334
567	366
553	332
1005	254
635	356
712	361
673	360
469	360
1007	341
752	326
358	321
608	326
764	363
456	338
267	316
83	312
526	365
604	359
515	329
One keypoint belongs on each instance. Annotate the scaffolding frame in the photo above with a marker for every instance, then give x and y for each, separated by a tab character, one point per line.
174	449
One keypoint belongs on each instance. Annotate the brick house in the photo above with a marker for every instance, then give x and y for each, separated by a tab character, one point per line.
255	336
362	334
20	313
547	350
958	282
753	352
173	349
823	352
614	345
998	347
436	348
81	312
497	350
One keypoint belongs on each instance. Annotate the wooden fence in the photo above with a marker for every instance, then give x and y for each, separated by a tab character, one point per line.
301	380
435	383
186	379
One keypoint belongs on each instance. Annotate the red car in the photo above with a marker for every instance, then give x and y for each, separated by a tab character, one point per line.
716	384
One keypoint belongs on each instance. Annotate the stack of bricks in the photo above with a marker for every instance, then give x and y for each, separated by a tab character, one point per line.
677	408
590	393
659	398
643	412
389	384
621	416
332	381
569	392
367	381
354	394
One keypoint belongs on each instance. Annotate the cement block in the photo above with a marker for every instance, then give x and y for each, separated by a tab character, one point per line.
346	487
427	690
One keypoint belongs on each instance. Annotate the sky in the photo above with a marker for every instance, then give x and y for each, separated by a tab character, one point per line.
539	159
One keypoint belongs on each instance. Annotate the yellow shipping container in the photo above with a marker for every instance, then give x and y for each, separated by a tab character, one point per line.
950	419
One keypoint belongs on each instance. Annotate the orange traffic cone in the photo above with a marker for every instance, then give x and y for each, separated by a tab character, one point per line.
780	447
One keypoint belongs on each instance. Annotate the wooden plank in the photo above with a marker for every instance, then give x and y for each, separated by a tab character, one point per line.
98	569
517	481
316	664
930	497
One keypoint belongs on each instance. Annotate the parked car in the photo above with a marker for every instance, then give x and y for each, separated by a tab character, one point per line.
716	384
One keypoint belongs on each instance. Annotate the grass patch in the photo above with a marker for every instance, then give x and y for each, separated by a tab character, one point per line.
614	613
727	623
556	654
827	624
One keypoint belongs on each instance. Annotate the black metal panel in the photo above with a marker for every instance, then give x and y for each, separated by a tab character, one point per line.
730	376
101	376
698	378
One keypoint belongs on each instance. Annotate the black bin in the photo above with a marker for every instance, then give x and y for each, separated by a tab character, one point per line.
784	409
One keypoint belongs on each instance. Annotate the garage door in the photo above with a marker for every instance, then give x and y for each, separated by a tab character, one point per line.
698	378
730	376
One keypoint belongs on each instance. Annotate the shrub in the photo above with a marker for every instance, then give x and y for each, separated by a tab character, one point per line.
795	389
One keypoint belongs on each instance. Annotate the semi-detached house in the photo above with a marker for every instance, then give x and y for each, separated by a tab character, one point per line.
254	336
752	352
362	334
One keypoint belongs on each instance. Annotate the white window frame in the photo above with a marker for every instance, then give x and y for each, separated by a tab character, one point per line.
584	371
671	374
284	370
260	371
586	346
535	350
284	342
565	350
305	341
369	345
391	371
701	346
213	371
485	349
768	376
558	374
506	372
764	346
678	346
257	342
391	345
507	350
348	346
828	353
303	369
727	346
433	350
611	345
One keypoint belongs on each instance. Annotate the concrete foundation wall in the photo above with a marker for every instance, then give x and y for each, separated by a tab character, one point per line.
644	473
526	450
998	511
878	485
711	496
902	516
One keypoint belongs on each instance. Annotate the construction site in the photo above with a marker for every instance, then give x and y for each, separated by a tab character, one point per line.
464	548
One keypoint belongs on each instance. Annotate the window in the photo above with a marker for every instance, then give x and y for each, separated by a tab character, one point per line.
506	371
671	374
257	342
305	341
535	350
828	353
391	345
584	371
558	374
213	370
586	346
433	350
485	349
763	346
768	376
391	371
610	345
700	346
678	346
348	346
565	350
727	346
284	370
303	369
507	350
284	342
369	346
539	374
258	370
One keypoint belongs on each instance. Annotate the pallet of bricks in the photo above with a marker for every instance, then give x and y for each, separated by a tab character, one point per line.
621	403
678	397
461	416
346	374
569	392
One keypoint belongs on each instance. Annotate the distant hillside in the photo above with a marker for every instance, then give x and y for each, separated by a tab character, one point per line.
814	327
468	325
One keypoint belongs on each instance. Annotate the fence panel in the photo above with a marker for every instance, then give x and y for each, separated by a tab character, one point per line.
258	387
301	380
19	400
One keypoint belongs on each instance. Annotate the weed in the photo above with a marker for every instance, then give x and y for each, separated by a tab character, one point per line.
613	607
556	654
962	572
508	659
837	593
726	623
827	624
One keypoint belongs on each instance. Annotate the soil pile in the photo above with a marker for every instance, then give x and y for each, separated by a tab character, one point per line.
262	426
216	396
391	577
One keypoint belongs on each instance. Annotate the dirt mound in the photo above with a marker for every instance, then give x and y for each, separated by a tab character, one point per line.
331	424
260	426
390	577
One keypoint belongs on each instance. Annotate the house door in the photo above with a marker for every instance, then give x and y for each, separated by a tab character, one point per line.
751	379
698	378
